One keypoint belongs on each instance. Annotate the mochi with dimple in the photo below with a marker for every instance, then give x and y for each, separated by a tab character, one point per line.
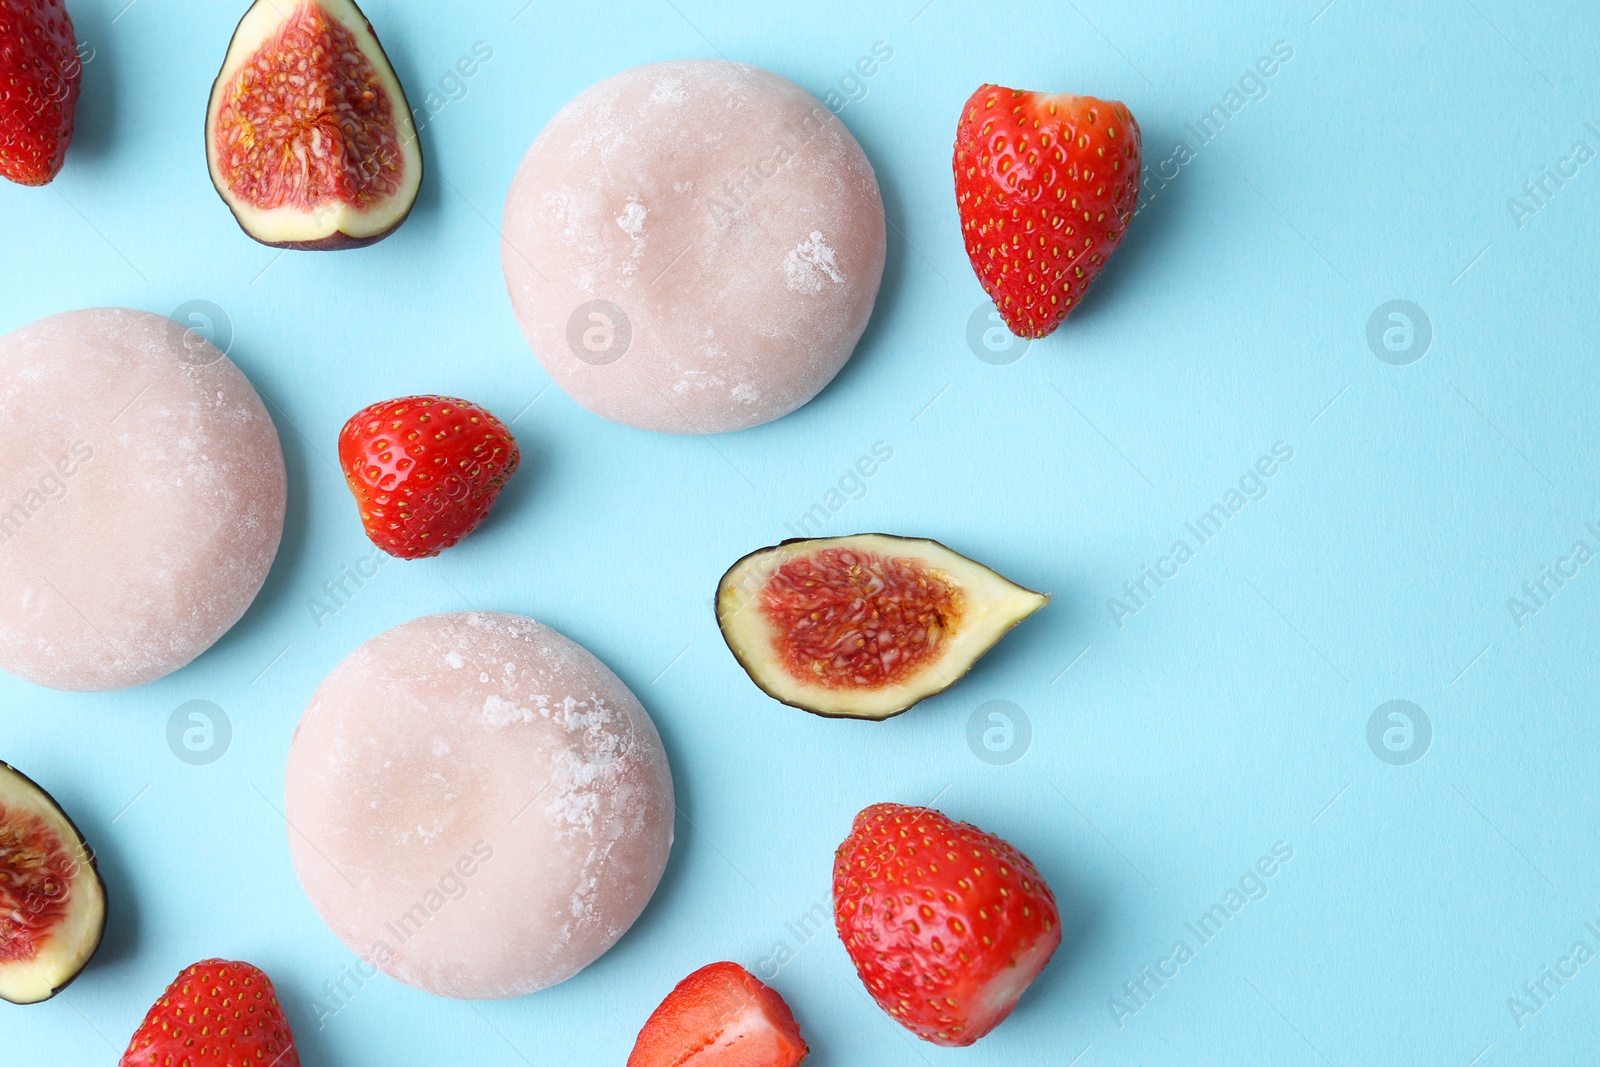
694	247
477	806
141	498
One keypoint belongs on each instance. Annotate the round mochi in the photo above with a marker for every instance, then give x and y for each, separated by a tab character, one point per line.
477	806
694	247
141	498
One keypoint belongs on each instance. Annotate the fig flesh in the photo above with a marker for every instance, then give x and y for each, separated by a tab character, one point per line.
52	901
309	138
865	626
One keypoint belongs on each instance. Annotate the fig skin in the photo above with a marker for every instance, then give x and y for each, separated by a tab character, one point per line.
337	241
93	867
790	701
334	242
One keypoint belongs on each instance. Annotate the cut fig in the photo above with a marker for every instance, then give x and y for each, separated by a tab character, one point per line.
309	137
863	627
52	901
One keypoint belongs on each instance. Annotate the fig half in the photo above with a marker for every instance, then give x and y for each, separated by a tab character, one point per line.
863	627
309	137
52	901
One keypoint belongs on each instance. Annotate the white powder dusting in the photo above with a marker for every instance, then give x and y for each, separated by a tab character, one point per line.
669	91
497	711
632	222
810	265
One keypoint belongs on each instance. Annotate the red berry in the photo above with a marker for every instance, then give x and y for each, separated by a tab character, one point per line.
215	1014
720	1016
425	470
947	925
39	79
1046	187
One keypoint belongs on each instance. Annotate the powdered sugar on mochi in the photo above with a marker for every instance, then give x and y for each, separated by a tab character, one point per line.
695	195
632	222
489	744
141	498
811	264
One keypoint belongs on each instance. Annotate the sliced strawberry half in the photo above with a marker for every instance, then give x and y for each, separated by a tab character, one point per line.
720	1016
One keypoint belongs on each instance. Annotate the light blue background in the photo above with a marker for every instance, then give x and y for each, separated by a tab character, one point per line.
1228	714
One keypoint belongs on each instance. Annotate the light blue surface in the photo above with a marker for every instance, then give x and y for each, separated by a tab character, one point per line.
1225	715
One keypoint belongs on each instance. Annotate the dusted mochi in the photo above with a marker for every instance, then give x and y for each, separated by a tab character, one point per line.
141	498
477	806
864	626
694	247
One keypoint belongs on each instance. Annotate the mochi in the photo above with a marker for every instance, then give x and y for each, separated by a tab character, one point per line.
141	498
477	806
694	246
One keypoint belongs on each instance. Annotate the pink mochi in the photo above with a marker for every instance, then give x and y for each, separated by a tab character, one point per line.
694	247
477	806
142	497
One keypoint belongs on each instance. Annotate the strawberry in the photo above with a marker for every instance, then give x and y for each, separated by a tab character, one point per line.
215	1014
720	1016
946	924
39	79
425	470
1046	187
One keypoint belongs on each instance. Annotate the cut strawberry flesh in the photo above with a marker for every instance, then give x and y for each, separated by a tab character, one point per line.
308	121
35	885
844	617
992	1003
720	1016
752	1039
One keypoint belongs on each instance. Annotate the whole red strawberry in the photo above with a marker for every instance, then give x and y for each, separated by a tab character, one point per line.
946	924
1046	187
215	1014
720	1016
39	79
425	470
